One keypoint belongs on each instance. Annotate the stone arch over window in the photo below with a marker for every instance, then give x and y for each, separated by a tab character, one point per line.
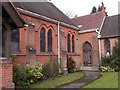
42	40
68	43
73	43
52	28
107	46
49	36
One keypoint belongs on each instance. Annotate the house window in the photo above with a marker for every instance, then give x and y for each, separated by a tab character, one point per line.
73	44
68	42
15	41
42	40
49	41
107	46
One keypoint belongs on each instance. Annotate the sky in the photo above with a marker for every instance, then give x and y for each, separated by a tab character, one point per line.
84	7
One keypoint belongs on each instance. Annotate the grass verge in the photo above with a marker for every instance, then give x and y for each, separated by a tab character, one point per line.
108	80
58	81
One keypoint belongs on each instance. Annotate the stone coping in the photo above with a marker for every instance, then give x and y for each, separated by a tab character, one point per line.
5	59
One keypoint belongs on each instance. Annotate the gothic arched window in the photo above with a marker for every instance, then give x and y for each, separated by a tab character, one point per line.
68	42
107	46
73	44
42	40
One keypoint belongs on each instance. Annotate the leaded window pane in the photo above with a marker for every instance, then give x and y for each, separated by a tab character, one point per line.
42	40
49	41
107	46
73	44
68	42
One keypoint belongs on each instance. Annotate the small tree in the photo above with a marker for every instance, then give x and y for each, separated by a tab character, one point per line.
115	63
68	13
99	8
94	10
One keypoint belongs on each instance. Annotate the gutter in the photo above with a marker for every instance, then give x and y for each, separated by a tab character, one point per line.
46	18
89	30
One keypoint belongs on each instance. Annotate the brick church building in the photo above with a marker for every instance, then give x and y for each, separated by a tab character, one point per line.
49	32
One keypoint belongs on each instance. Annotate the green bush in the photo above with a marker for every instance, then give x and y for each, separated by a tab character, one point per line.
115	63
50	69
13	57
24	76
70	65
106	61
113	60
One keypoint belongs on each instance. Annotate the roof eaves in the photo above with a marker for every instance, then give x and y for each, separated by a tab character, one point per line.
112	36
89	30
46	18
19	19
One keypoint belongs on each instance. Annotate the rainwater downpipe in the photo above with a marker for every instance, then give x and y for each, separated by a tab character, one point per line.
58	27
99	47
100	54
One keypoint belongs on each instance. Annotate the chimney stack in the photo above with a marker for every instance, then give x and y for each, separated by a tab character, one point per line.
75	16
103	9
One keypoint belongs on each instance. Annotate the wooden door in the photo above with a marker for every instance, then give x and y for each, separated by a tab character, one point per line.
87	54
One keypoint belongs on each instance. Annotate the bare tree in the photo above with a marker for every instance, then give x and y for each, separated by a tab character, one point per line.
68	13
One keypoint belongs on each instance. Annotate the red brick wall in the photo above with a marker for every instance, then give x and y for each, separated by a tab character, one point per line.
6	74
45	57
20	59
34	41
90	37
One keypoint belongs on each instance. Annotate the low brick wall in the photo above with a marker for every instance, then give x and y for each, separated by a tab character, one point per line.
6	74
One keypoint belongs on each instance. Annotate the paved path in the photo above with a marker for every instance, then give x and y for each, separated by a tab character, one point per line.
88	76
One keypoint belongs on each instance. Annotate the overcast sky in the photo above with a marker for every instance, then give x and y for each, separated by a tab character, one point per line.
83	7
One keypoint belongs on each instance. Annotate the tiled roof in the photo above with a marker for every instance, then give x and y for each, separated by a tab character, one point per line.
44	8
110	27
90	21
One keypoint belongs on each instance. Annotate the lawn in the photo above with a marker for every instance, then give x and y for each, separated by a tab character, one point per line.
108	80
52	83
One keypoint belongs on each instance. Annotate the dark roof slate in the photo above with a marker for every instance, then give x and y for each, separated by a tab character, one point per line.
110	27
46	9
90	21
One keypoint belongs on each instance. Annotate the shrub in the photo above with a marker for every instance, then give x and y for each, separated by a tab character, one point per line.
106	61
13	57
16	73
50	69
113	60
115	63
19	77
27	75
106	69
70	65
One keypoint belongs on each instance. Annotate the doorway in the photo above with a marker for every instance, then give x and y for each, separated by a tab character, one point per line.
87	54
